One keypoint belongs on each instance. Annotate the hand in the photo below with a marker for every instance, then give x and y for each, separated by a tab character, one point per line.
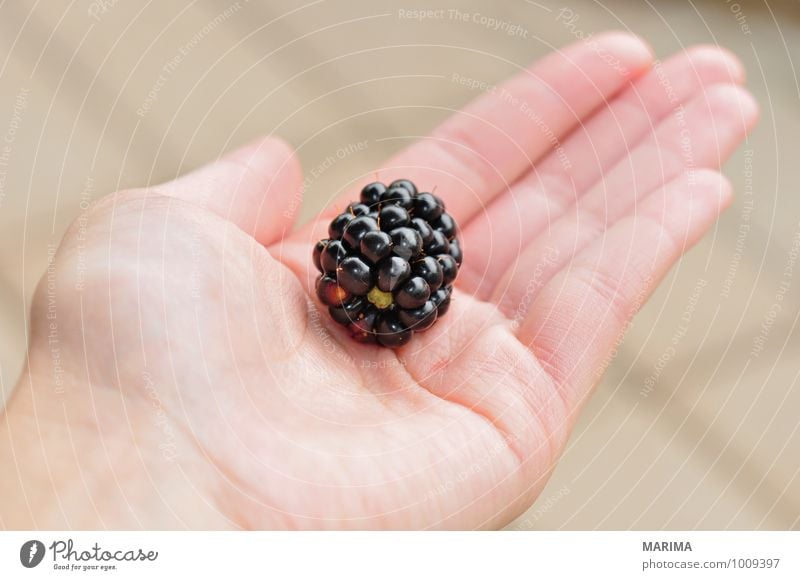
182	373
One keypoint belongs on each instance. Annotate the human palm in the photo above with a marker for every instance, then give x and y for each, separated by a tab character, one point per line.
207	387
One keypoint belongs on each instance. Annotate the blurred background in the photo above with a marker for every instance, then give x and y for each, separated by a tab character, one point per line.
696	422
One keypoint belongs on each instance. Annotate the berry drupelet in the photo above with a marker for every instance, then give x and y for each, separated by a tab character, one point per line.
389	263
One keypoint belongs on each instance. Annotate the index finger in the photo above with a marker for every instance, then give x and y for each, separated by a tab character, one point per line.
480	150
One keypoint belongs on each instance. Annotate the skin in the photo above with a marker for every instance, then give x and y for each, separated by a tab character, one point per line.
199	384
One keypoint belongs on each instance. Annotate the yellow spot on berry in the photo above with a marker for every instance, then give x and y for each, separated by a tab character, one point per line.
380	298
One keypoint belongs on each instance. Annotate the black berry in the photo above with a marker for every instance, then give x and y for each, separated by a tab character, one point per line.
412	189
455	251
349	311
356	229
354	275
429	269
445	224
449	268
371	194
388	266
357	209
413	293
423	228
391	272
333	253
375	246
398	195
339	223
391	217
363	328
406	242
441	298
319	247
391	332
438	244
330	293
418	319
428	207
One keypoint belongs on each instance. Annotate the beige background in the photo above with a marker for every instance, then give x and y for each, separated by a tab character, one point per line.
716	443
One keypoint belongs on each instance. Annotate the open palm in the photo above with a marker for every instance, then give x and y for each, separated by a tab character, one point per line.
211	389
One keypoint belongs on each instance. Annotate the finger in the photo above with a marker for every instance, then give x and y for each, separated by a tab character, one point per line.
637	110
479	150
703	136
514	218
574	322
257	187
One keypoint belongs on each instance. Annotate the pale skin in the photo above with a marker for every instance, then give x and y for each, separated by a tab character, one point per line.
182	374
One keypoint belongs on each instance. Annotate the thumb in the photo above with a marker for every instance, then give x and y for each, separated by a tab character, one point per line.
258	187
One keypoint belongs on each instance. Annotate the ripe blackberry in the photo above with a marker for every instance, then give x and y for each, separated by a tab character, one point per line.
389	263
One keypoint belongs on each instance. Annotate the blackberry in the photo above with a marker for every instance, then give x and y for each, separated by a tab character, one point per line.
392	216
389	263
